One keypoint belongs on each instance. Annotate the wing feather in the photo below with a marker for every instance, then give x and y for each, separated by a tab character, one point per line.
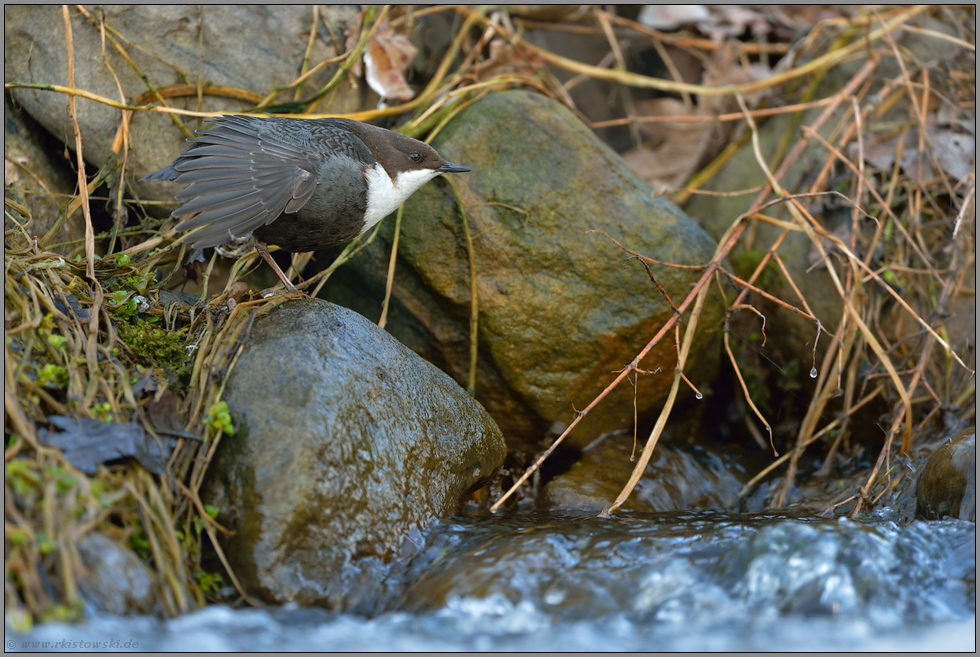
242	176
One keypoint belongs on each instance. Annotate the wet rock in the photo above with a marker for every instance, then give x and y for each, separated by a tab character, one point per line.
114	579
674	480
35	177
345	445
253	48
948	483
559	313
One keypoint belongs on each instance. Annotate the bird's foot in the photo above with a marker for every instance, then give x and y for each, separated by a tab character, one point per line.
235	248
264	252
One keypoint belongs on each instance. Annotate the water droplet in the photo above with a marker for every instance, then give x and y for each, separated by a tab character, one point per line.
699	396
813	373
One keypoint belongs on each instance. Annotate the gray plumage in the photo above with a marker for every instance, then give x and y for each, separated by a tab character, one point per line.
245	173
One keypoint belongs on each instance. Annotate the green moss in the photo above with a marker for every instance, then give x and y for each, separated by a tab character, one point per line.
155	345
158	347
18	537
789	376
745	262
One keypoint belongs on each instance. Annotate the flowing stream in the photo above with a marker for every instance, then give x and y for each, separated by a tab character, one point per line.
692	581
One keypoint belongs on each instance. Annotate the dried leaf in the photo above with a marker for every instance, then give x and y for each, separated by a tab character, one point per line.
386	58
82	315
162	414
955	152
678	148
729	22
675	149
672	17
86	443
11	172
949	116
145	385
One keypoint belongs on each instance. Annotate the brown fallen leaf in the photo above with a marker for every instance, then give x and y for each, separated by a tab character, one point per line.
386	58
731	21
678	148
675	148
163	416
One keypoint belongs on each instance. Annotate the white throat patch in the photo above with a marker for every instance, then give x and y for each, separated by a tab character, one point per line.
385	195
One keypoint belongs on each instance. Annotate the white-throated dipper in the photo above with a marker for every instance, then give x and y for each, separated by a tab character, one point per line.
301	184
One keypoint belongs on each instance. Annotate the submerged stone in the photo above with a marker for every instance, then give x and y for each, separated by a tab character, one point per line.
948	483
114	579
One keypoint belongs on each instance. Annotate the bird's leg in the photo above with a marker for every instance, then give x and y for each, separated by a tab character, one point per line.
264	252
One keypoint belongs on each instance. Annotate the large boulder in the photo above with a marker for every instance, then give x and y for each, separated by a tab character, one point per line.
254	48
559	313
346	444
36	177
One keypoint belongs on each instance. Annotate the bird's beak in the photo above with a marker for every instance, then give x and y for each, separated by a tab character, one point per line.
449	167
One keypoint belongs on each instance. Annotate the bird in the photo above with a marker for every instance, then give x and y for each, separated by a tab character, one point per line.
300	184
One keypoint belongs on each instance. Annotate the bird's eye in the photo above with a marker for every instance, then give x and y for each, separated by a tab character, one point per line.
415	157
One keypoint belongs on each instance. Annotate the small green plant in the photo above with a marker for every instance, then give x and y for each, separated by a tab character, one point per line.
64	613
22	477
44	544
209	582
219	419
103	412
139	543
18	537
51	375
122	305
65	480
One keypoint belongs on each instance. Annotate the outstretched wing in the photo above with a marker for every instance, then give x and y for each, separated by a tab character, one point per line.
241	178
